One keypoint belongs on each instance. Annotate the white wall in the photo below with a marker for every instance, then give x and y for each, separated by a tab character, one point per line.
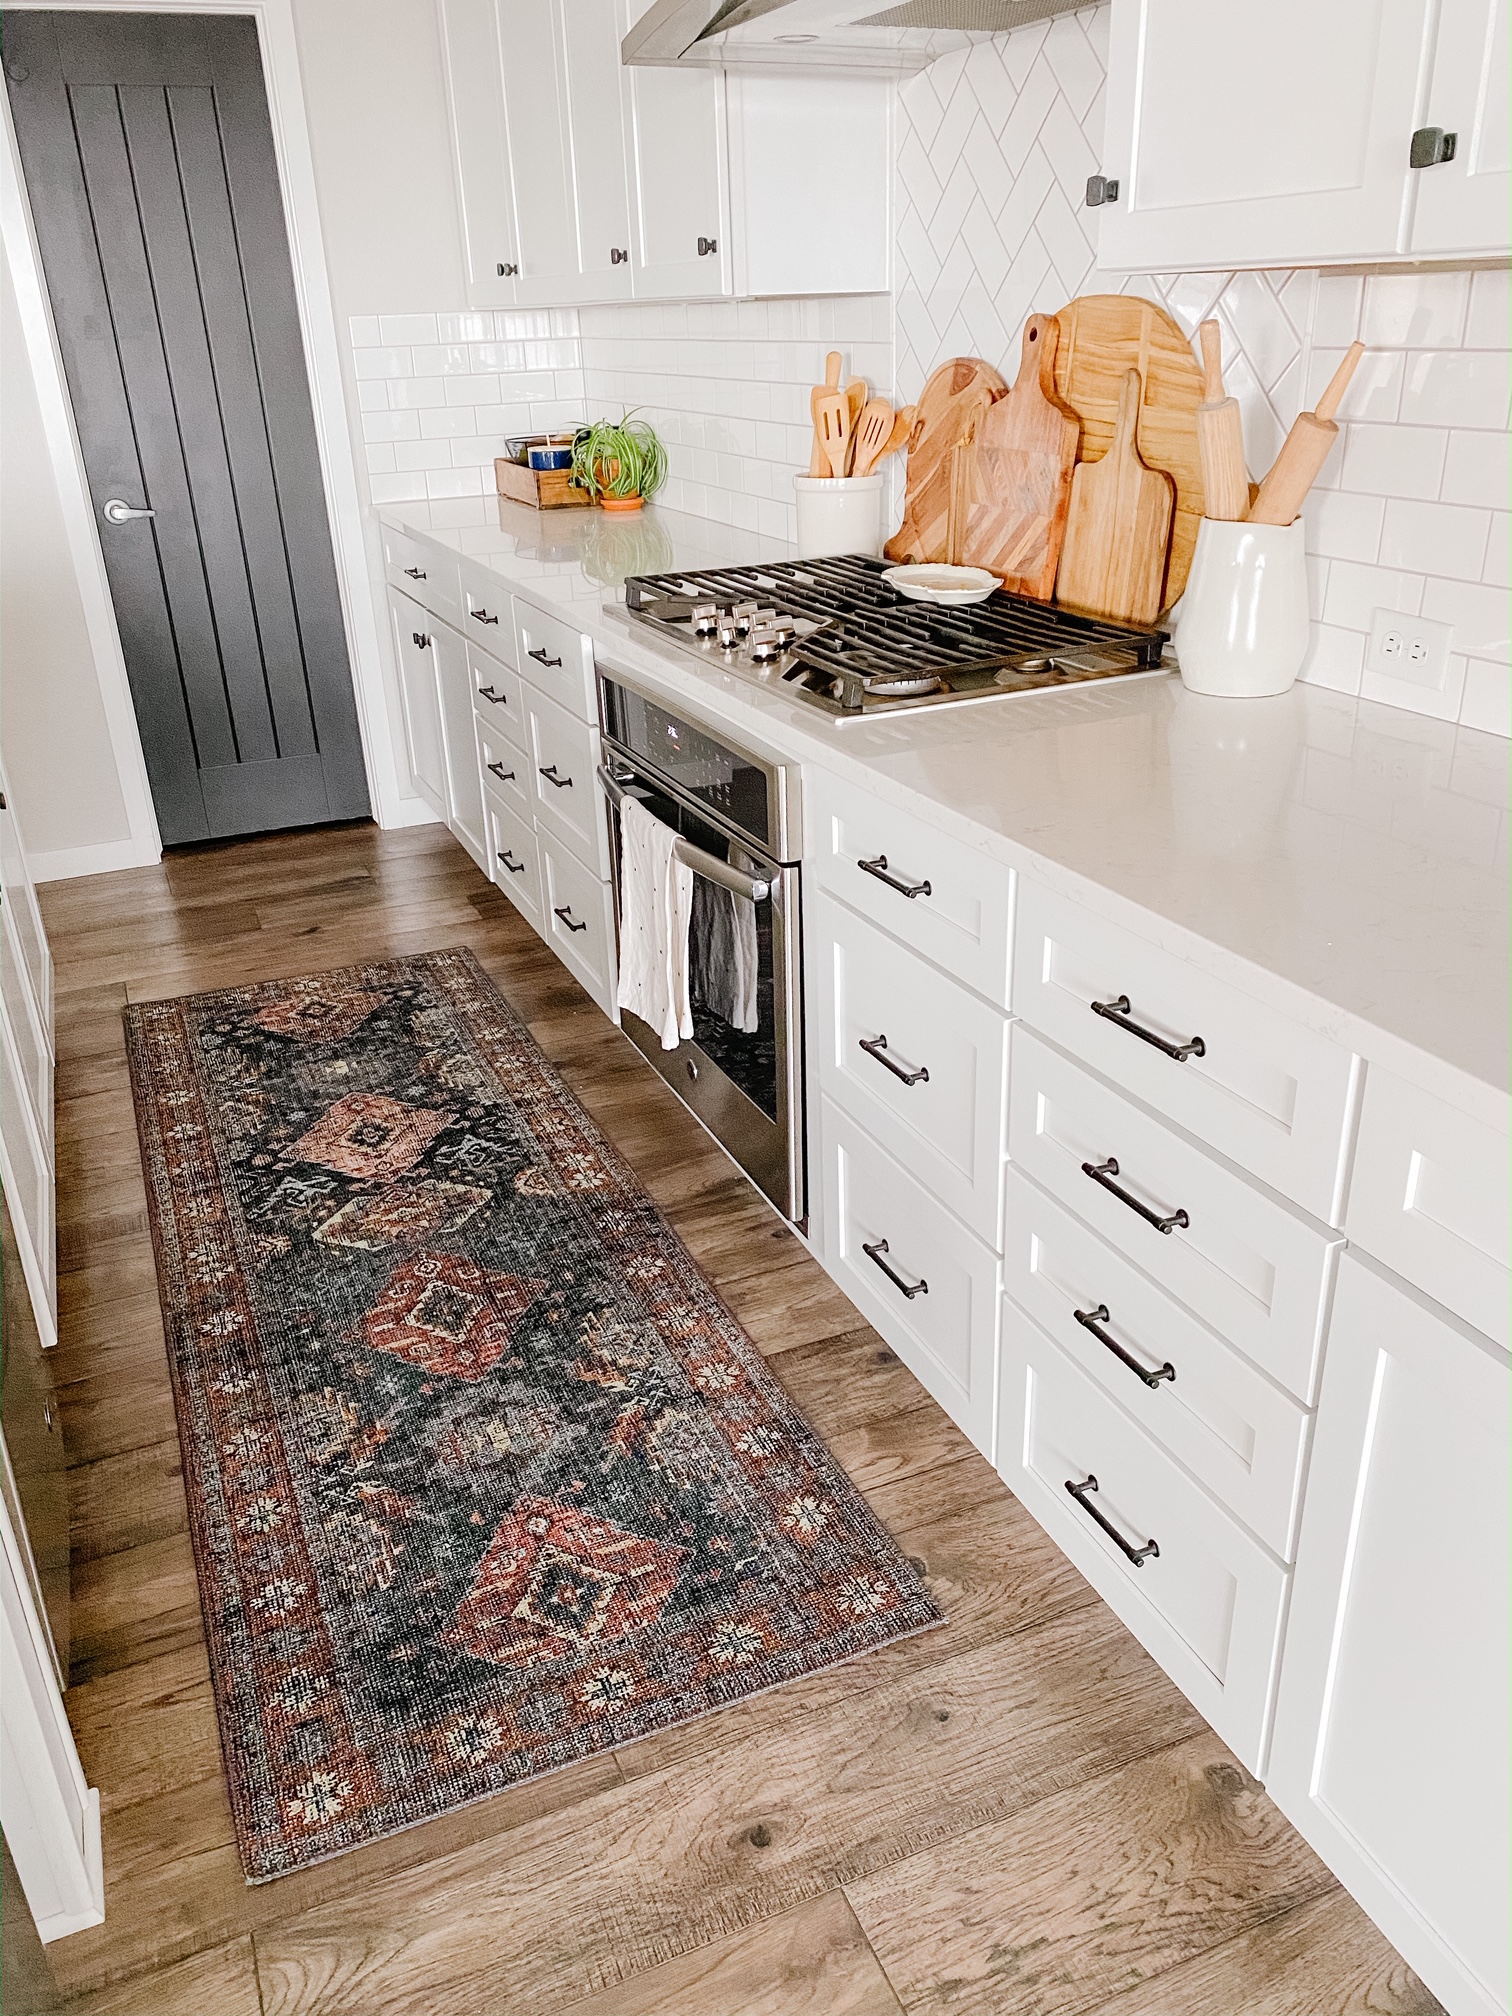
1411	509
58	753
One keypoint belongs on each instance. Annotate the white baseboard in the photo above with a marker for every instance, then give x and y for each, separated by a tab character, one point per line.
63	864
414	812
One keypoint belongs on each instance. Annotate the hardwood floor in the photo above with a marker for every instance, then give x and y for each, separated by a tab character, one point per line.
1017	1812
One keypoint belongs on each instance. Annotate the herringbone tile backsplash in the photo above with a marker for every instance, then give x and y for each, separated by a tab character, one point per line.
994	149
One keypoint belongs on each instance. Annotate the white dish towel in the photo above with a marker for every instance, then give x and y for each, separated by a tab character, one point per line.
656	904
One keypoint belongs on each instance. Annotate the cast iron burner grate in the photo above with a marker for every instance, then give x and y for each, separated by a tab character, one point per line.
857	646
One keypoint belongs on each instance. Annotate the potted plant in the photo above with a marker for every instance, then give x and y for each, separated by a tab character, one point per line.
619	463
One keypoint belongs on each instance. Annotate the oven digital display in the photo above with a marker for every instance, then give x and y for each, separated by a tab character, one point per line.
730	785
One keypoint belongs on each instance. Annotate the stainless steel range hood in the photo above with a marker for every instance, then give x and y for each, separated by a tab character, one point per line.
843	35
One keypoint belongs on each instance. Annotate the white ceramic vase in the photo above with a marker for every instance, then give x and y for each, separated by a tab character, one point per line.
839	514
1244	621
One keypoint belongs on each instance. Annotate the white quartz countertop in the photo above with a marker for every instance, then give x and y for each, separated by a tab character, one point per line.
1352	856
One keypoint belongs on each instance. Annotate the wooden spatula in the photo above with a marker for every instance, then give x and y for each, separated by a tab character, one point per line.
818	465
832	426
873	431
1119	529
1025	456
1220	437
1304	451
902	427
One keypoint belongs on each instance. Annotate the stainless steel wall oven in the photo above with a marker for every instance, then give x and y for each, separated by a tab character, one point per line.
736	818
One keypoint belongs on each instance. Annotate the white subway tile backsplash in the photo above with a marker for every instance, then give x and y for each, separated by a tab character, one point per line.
1489	324
1487	699
417	393
1336	659
1457	388
1355	592
379	456
472	326
380	363
390	427
1394	461
1481	615
372	395
1435	538
1497	571
481	388
1478	469
1415	309
406	328
1343	526
364	331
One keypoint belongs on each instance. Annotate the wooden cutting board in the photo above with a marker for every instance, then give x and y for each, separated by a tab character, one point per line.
1025	453
1119	528
1103	336
950	410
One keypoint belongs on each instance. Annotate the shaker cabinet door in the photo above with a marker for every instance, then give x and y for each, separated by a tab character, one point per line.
1463	204
1244	135
420	693
535	101
678	171
480	148
591	39
1391	1738
464	786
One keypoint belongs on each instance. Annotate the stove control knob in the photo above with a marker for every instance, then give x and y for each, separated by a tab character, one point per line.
744	613
784	628
729	631
765	644
705	619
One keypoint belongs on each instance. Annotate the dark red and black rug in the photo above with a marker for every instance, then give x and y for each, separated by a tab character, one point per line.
482	1475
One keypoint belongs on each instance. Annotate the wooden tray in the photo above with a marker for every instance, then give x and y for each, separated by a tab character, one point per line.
542	489
1102	336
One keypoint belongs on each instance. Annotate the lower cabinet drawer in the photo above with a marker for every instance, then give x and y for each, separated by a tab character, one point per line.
425	572
513	860
1203	1597
915	1272
563	763
919	1061
498	696
505	769
1238	1433
579	921
1251	1267
556	658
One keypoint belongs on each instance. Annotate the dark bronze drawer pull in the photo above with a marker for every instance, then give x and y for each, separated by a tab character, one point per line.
878	868
482	616
497	699
417	573
514	867
1138	1555
421	640
1094	1319
1101	1172
1117	1012
565	913
504	776
539	655
909	1288
549	772
876	1046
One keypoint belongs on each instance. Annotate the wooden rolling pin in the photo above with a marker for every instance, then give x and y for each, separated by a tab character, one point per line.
1304	451
1220	437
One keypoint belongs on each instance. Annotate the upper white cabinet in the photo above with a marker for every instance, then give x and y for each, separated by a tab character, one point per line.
475	98
1283	135
580	180
1390	1750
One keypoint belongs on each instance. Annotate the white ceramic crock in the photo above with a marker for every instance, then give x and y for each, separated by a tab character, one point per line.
1244	622
839	514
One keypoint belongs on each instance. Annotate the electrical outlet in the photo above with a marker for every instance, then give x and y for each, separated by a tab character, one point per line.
1409	648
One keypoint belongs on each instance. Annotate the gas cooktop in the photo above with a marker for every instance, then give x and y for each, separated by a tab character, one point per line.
833	632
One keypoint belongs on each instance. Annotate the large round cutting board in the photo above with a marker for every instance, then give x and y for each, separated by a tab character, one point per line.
1102	337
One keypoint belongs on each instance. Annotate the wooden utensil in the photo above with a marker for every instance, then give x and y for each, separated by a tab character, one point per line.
1025	455
1118	531
1102	337
1304	451
818	462
902	427
832	427
950	409
871	436
855	398
1220	437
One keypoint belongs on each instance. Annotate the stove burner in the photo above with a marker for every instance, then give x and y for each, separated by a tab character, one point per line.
901	685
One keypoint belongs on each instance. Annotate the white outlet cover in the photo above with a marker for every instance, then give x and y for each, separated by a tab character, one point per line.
1409	649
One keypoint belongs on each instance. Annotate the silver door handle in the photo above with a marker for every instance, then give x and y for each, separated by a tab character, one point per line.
116	511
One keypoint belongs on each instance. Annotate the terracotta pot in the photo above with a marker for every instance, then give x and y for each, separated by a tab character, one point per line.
621	503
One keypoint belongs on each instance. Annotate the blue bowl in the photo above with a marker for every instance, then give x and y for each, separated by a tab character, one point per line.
551	458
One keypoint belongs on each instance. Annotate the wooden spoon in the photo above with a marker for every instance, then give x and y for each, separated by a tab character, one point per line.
901	429
871	436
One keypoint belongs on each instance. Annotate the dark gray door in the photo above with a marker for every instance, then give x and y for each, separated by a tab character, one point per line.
149	162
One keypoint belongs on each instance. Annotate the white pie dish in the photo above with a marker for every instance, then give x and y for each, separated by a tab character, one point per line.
949	587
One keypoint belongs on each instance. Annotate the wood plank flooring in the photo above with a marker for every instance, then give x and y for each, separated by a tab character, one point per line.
1016	1813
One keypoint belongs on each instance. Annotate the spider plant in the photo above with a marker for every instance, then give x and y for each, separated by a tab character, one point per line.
619	462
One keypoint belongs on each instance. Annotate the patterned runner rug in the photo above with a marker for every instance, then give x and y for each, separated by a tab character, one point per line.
482	1475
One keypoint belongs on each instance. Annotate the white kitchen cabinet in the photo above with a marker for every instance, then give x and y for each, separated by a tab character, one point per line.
596	142
676	162
27	1142
420	694
1391	1740
480	149
464	788
1462	204
1281	135
540	159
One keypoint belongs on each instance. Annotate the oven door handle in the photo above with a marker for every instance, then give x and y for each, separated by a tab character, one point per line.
754	887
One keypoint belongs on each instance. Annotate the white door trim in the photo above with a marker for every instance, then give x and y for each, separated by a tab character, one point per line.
296	173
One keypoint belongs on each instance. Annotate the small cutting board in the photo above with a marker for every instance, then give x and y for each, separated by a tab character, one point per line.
949	412
1025	455
1118	532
